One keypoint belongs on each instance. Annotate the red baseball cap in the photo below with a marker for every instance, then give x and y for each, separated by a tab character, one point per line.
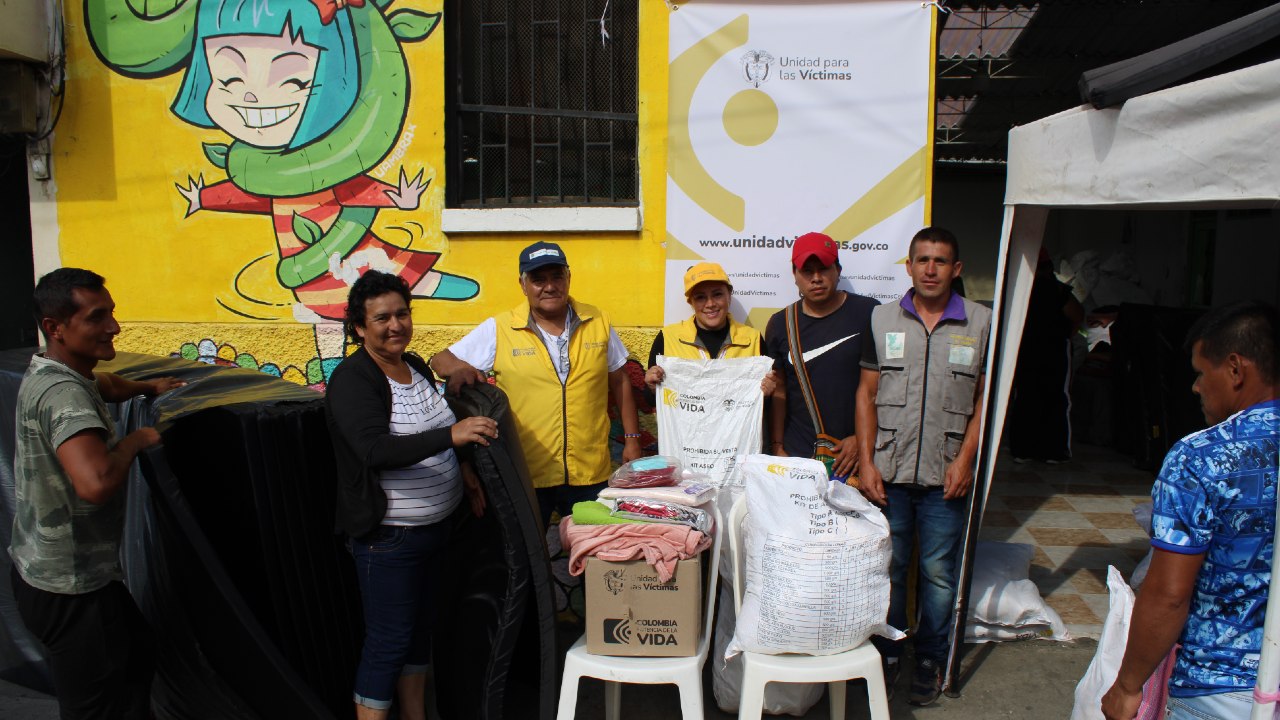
816	245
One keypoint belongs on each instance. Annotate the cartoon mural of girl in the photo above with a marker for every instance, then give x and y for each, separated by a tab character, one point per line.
314	94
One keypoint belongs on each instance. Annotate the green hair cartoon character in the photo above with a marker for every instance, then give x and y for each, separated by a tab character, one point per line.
314	95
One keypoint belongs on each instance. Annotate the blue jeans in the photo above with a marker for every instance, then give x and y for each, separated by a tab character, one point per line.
1219	706
918	513
560	498
398	572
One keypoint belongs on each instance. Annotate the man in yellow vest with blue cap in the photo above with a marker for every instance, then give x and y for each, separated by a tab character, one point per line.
557	360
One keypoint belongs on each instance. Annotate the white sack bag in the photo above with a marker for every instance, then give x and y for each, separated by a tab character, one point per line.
710	412
817	562
1104	667
1006	605
978	632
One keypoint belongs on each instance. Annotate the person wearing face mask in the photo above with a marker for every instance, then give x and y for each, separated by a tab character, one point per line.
558	360
711	332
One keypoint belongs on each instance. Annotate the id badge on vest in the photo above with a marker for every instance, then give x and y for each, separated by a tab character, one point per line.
895	345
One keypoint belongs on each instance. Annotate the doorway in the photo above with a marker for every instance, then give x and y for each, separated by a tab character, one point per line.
17	269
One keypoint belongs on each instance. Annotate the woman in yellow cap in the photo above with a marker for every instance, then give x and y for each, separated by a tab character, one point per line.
711	332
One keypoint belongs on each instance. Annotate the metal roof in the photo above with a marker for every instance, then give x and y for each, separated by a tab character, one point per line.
1002	64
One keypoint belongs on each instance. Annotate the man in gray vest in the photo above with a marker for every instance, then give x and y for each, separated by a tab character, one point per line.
919	402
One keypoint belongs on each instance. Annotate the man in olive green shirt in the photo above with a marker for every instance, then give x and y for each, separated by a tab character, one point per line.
70	473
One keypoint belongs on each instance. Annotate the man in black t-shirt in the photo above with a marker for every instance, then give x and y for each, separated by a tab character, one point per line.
832	325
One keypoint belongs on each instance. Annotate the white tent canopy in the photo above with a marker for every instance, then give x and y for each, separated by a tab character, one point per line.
1210	143
1206	144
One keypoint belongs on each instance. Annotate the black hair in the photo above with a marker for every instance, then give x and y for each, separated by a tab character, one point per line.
938	235
54	296
370	285
1248	328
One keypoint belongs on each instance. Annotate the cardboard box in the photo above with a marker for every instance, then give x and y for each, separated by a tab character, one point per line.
629	612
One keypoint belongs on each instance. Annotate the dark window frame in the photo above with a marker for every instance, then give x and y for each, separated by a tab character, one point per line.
543	131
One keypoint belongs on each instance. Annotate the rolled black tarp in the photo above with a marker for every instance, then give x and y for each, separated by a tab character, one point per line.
502	641
21	655
1113	84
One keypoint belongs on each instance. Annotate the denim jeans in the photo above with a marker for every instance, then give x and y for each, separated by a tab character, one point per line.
919	513
398	570
1219	706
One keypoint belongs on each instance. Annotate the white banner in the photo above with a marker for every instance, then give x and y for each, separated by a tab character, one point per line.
791	117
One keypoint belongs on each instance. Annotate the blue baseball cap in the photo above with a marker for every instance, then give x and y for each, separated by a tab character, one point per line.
541	254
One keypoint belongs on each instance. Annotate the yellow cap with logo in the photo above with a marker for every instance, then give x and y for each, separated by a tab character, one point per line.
704	272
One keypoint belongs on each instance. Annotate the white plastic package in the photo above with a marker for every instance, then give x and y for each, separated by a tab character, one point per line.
780	698
1102	670
689	492
710	412
634	508
817	562
980	632
652	471
1005	604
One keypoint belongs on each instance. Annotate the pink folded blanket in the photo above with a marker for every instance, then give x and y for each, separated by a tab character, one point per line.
661	545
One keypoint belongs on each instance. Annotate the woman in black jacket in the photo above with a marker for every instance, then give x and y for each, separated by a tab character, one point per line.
398	478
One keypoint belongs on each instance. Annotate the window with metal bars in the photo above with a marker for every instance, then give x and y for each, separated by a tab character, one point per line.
541	103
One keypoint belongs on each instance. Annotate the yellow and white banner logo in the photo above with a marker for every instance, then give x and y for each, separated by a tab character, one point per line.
786	118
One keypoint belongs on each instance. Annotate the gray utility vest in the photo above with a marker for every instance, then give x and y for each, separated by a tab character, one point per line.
925	395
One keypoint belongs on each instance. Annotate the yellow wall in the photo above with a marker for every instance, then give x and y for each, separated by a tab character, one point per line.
119	152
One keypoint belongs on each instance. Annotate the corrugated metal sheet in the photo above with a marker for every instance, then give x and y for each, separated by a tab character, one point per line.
1014	62
982	32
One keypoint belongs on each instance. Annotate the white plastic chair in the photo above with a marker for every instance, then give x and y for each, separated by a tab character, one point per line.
759	670
684	672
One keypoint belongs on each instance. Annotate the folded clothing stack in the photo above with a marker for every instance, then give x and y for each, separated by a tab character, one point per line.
645	510
661	545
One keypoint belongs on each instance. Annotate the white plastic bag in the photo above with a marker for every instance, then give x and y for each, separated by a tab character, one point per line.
980	632
647	472
1005	604
726	675
817	562
1140	572
710	412
1142	515
1101	674
689	492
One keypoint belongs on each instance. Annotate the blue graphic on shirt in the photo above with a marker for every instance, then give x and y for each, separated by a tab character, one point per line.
1216	494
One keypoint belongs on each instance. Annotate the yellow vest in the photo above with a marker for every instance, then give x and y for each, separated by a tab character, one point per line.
563	429
681	340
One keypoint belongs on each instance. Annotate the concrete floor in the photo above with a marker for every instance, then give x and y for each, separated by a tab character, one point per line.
1031	678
